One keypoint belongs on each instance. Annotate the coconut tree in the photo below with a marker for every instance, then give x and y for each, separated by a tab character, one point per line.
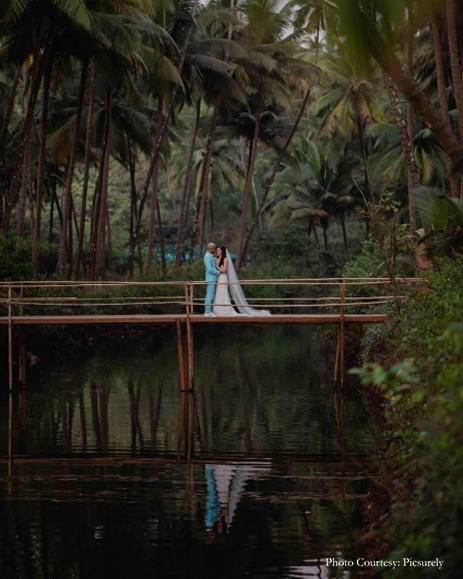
388	159
32	30
370	28
225	175
265	68
442	220
113	40
315	186
347	101
314	17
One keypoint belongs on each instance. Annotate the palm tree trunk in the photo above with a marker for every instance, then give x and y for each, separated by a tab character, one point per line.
160	136
198	223
62	253
9	110
440	70
412	168
313	227
410	116
154	195
344	232
202	213
31	201
317	50
325	236
363	150
409	51
3	134
25	184
271	180
100	261
110	241
133	209
211	214
144	197
55	201
41	167
96	204
455	60
410	89
88	154
42	63
161	236
70	251
247	186
186	192
457	80
441	83
51	218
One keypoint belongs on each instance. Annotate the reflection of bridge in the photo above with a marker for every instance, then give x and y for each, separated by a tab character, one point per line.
345	300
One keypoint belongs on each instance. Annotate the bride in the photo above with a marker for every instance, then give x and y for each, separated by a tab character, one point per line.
228	284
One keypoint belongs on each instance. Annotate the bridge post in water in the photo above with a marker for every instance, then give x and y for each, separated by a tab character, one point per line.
185	354
22	353
181	357
10	385
341	330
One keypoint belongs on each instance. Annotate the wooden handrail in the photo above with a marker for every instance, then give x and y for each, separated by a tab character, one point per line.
187	301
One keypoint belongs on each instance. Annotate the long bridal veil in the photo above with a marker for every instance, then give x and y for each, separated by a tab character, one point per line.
237	293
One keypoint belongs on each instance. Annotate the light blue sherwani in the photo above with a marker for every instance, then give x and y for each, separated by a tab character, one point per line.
212	273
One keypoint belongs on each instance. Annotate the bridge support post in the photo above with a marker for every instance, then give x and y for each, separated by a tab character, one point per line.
22	363
10	339
10	383
186	426
185	355
181	360
341	332
336	363
22	343
190	353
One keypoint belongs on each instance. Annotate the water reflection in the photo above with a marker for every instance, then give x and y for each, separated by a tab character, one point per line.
261	471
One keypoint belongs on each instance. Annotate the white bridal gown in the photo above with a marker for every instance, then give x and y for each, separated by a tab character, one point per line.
222	305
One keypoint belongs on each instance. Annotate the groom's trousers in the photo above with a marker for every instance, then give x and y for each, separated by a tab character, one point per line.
210	293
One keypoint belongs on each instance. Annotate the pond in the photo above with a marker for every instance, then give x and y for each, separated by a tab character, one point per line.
262	471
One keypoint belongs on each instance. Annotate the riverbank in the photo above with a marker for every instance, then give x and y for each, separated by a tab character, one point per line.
415	362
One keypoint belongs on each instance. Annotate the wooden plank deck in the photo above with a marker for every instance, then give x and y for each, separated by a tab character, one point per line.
120	460
194	318
292	319
95	319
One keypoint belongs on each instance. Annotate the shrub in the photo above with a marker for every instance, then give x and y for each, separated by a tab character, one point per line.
424	393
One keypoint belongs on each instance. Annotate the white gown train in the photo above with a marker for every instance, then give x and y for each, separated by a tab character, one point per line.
222	306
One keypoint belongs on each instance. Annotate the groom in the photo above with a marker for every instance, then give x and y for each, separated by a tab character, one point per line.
212	273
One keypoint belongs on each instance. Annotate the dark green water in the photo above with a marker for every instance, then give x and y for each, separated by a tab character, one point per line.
262	472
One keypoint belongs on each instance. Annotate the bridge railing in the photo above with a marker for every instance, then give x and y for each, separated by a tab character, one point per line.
280	296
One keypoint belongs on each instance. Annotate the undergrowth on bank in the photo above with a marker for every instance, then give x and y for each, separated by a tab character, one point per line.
416	360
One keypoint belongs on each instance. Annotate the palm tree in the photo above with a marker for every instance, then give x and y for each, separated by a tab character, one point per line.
347	102
442	220
31	34
314	187
313	17
268	83
225	174
368	26
388	159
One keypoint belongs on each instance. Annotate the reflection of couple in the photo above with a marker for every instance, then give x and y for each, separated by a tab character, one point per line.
222	285
225	484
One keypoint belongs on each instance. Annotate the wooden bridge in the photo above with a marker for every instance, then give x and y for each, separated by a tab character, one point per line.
180	303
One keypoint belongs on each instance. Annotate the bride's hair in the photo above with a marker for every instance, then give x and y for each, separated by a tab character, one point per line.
224	254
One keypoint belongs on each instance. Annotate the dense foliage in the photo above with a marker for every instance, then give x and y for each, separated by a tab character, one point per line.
424	404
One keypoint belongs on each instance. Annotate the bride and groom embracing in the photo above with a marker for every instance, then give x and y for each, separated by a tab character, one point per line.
223	285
